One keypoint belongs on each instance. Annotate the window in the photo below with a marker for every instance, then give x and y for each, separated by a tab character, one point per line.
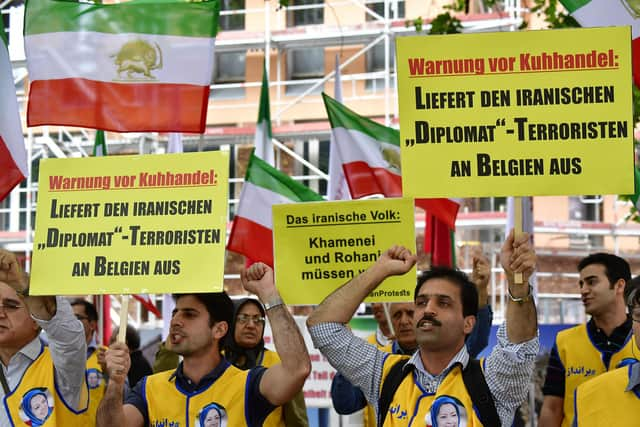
396	9
375	63
229	68
585	208
304	64
305	16
234	21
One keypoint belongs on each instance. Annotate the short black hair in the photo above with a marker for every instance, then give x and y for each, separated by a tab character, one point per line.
132	337
468	291
89	309
218	304
615	268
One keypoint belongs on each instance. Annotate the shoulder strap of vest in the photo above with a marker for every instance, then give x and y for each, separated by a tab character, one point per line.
389	386
480	394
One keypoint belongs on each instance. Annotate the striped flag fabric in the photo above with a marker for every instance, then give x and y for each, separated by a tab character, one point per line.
13	155
100	145
370	152
147	302
264	186
607	13
262	142
137	66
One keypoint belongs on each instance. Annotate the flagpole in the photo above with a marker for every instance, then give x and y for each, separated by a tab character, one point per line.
517	230
124	315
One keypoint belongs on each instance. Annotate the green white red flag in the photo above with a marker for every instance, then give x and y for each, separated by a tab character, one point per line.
13	155
608	13
262	142
137	66
264	186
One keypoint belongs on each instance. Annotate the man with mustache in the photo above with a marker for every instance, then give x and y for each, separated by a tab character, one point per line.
584	351
347	399
199	325
446	303
28	366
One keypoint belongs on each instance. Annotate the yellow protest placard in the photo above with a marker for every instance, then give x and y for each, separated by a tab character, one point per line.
321	246
131	224
518	113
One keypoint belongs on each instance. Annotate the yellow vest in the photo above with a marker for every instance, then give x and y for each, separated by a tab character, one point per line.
275	419
603	401
582	361
36	402
96	384
411	405
224	400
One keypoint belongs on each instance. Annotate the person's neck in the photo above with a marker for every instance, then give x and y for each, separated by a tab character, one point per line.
611	319
6	353
436	361
195	367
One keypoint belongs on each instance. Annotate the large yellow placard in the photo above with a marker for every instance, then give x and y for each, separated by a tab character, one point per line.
320	246
131	224
518	113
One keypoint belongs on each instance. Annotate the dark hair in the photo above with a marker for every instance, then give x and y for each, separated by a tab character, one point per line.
218	304
468	291
615	268
632	285
89	309
634	299
132	337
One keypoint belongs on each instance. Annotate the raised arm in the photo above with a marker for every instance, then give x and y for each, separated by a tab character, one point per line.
282	381
340	305
111	412
480	276
517	256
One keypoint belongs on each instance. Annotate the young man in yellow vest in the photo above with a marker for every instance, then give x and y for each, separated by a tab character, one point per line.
446	303
613	398
588	350
206	388
88	315
40	385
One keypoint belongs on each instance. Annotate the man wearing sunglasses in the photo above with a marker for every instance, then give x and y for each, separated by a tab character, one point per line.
55	372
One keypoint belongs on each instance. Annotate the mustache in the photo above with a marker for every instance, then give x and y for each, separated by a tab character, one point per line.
431	319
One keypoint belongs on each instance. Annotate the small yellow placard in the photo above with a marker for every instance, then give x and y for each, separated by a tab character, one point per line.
320	246
131	224
516	113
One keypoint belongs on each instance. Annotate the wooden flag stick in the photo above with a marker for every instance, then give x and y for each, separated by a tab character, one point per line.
387	314
124	315
517	230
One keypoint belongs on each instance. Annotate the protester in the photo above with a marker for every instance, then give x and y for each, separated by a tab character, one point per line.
347	399
86	313
140	367
199	325
39	384
244	348
585	351
446	305
383	336
613	398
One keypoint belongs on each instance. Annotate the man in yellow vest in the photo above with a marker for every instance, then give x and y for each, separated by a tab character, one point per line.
347	399
206	389
40	385
88	315
446	303
588	350
613	398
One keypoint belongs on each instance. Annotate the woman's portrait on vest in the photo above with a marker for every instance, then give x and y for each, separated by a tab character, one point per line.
36	406
446	411
212	415
94	378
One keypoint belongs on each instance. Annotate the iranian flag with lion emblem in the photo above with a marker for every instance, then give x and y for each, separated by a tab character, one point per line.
143	65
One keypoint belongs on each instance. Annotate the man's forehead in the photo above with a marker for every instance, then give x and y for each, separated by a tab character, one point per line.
189	302
593	270
402	306
7	291
440	287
